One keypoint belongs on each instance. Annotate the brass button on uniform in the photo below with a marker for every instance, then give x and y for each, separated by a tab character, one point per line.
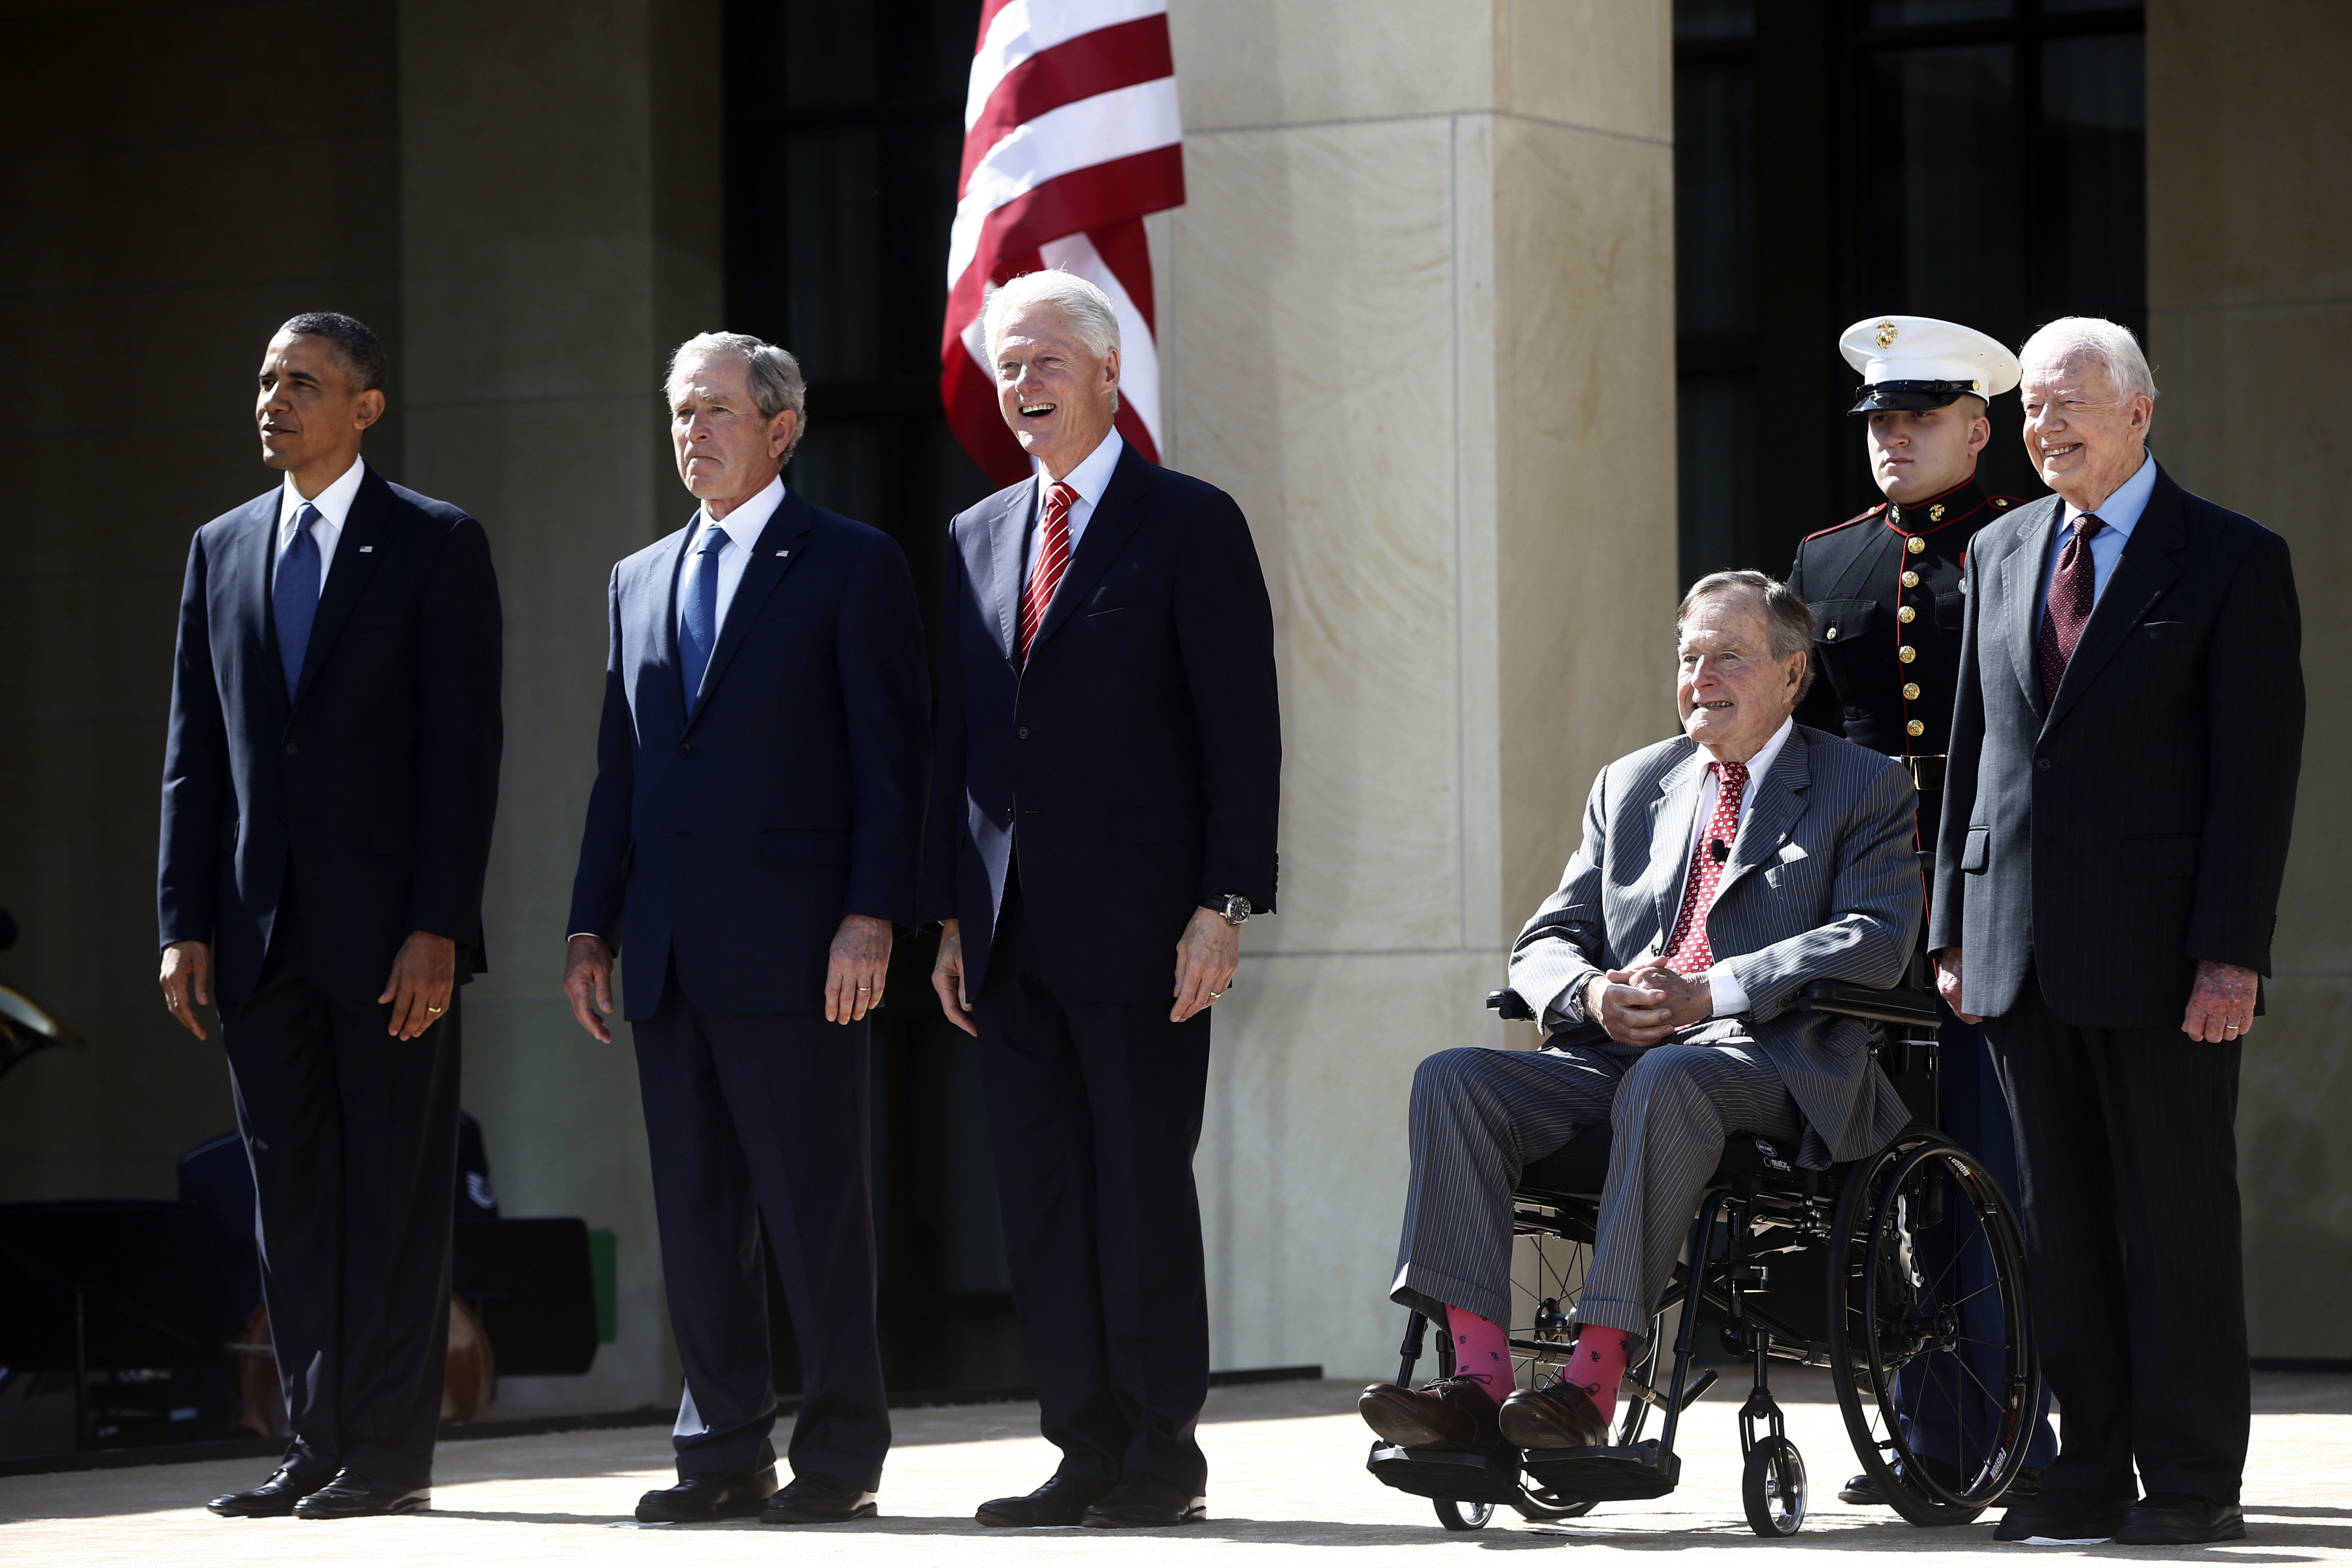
1915	728
1907	653
1910	691
1907	615
1916	546
1829	635
1910	579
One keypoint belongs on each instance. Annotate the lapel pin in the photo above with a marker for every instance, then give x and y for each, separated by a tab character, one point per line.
783	553
367	549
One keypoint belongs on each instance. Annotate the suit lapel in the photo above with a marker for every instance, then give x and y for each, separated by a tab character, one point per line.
1780	801
2149	567
1670	835
366	526
249	561
779	549
1113	523
999	576
2020	596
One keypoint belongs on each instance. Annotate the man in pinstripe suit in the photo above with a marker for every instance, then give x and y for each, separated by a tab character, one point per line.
1721	872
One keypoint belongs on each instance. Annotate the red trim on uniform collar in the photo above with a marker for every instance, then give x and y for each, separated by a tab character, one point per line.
1857	517
1982	502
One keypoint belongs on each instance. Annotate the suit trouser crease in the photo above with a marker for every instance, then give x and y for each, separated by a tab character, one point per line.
1095	1112
353	1138
1481	1114
753	1117
2128	1176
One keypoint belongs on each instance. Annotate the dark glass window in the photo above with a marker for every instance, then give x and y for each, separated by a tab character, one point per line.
845	130
1980	161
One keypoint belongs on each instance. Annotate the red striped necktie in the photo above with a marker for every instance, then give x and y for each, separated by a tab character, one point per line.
2074	589
1053	560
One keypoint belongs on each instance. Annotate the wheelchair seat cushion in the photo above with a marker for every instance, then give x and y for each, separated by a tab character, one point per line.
1578	1167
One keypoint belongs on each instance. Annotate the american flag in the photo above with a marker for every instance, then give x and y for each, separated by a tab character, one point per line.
1070	136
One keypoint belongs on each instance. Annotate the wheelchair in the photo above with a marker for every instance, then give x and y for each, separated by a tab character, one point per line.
1905	1238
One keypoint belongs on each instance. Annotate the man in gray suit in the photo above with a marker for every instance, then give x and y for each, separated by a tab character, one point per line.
1721	872
2126	739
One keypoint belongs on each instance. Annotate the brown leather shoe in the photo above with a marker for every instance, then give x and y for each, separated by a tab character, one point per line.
1559	1416
1452	1413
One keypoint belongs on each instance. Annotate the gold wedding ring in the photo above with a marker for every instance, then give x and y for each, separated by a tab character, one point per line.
431	1008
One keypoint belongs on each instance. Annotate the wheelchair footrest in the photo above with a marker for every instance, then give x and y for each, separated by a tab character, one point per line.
1446	1474
1604	1475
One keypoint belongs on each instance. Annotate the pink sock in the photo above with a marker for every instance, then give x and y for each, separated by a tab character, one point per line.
1597	1365
1481	1349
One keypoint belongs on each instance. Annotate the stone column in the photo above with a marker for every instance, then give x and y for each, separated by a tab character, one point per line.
1418	318
2249	306
559	181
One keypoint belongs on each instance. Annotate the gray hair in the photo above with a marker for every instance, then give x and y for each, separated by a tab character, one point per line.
1789	617
1087	308
773	374
2110	344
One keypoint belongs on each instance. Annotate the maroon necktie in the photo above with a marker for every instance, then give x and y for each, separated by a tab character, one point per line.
1053	560
1687	952
2074	588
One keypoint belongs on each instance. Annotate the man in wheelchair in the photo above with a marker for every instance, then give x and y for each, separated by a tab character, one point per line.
1721	872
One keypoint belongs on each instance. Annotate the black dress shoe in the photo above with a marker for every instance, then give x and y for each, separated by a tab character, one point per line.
351	1495
818	1500
1140	1501
2179	1518
2063	1518
714	1494
273	1499
1862	1491
1061	1500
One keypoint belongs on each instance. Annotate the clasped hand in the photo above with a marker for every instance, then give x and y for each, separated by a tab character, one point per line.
1645	1005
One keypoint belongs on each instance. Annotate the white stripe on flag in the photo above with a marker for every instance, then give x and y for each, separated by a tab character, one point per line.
1026	27
1138	356
1097	130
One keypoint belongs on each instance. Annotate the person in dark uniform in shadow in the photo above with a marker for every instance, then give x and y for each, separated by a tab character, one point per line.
1888	589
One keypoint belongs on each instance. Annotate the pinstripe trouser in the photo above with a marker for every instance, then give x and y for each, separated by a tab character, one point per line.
1481	1114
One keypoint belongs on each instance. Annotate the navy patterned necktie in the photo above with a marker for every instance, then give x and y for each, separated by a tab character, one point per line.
698	620
294	596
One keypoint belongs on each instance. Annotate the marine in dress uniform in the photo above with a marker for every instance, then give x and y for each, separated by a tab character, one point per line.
1888	590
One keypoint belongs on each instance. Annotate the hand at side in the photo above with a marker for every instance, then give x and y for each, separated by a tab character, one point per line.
588	983
423	976
187	980
858	968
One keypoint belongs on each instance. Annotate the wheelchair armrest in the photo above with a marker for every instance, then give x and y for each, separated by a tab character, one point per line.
1510	1007
1895	1006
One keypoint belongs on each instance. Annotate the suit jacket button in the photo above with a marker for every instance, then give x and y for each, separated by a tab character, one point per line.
684	746
291	748
1023	731
2041	765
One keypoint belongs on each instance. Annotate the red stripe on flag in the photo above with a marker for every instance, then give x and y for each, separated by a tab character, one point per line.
988	10
1104	60
1088	198
1129	255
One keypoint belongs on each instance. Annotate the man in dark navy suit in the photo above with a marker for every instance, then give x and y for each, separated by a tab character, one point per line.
1102	822
754	837
329	783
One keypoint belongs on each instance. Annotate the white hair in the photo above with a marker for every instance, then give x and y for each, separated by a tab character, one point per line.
773	374
1086	307
2109	343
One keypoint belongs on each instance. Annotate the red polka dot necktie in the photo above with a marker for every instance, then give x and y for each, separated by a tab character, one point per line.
1053	560
1687	952
2074	589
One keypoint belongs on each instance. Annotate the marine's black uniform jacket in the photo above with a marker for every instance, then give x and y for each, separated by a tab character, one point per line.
1888	589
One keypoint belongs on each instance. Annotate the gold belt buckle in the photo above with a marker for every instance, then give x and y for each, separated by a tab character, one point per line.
1926	773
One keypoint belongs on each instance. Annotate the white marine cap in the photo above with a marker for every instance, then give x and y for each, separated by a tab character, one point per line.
1918	362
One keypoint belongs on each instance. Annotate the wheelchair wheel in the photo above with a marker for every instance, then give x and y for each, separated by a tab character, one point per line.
1462	1515
1545	1285
1773	1487
1931	1349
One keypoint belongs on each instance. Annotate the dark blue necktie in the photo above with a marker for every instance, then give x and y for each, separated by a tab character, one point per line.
698	622
294	597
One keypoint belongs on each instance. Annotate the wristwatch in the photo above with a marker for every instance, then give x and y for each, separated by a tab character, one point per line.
1234	907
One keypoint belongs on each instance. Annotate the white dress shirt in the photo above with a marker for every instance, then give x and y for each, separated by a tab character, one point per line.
1089	479
741	528
1730	997
2120	513
334	503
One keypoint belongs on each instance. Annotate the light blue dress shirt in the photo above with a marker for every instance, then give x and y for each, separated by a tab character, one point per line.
2121	514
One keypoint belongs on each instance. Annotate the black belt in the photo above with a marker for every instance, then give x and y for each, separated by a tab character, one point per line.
1926	773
